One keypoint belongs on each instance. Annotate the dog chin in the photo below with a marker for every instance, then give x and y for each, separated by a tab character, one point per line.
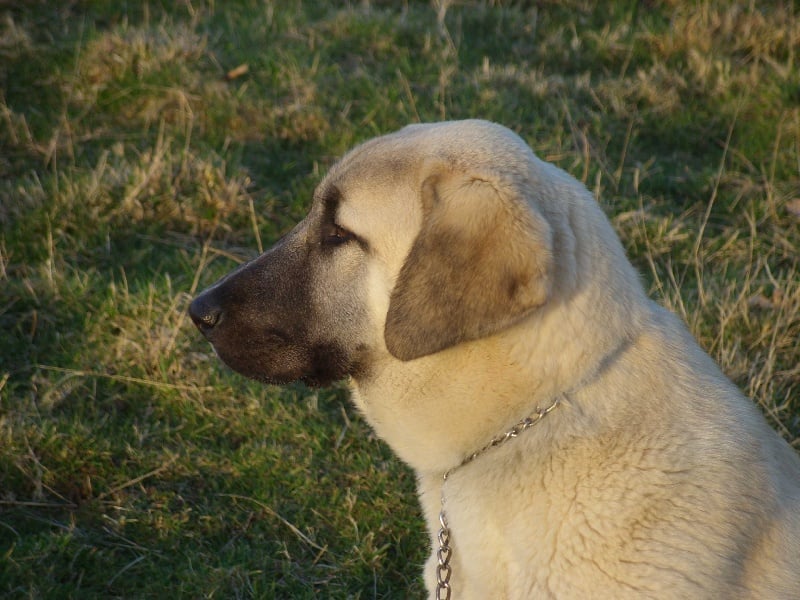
318	366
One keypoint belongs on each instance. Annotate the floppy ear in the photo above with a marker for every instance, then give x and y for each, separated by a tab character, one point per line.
481	261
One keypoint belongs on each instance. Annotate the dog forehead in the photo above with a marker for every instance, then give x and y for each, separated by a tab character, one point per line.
376	182
383	207
378	199
400	158
469	143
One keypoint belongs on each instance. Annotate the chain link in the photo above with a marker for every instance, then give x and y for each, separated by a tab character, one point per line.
445	551
443	569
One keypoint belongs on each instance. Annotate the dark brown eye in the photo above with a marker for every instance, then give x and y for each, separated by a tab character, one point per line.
335	236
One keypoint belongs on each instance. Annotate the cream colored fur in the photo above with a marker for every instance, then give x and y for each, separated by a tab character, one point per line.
655	478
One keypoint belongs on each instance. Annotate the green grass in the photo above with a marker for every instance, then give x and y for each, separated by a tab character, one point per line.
133	172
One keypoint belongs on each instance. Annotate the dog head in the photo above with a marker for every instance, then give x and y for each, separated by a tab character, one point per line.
415	242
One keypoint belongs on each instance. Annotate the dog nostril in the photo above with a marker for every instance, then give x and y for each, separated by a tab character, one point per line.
204	314
209	320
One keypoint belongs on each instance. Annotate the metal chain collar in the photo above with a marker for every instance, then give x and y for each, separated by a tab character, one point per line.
443	569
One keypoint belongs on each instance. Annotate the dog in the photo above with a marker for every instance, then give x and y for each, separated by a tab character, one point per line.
569	436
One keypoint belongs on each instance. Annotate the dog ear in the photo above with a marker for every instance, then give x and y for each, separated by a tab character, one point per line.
481	262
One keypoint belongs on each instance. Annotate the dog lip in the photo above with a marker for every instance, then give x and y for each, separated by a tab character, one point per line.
273	334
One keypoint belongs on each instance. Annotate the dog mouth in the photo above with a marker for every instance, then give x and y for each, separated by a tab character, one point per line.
275	356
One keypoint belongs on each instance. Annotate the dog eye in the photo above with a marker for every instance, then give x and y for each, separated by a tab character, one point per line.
335	236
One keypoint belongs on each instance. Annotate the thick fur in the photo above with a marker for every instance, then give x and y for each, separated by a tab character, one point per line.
459	282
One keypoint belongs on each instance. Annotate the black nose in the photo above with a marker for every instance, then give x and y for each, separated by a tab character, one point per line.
205	312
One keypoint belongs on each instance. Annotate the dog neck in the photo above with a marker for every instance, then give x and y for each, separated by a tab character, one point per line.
445	551
515	431
485	384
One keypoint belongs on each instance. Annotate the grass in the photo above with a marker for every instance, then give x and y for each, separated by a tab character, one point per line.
146	148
